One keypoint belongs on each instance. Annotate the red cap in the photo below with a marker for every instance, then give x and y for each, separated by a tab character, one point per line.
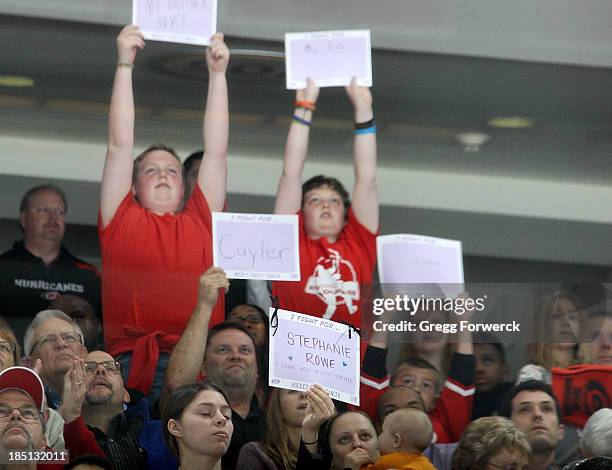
25	380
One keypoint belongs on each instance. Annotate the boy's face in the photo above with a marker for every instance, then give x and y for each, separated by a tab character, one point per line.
490	368
323	211
423	381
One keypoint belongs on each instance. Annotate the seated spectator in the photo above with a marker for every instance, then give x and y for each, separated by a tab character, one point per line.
596	438
255	320
491	371
534	409
279	448
115	416
557	327
345	441
10	352
153	253
492	443
55	339
83	313
226	355
22	390
39	268
90	462
406	433
337	238
197	422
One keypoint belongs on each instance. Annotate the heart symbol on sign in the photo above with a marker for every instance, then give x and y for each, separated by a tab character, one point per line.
344	364
291	358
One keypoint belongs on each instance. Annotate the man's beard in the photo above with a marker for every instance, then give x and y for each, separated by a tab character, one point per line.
95	399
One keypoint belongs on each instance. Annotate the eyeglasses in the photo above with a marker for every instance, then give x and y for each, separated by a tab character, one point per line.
27	413
251	319
509	466
110	366
7	347
69	337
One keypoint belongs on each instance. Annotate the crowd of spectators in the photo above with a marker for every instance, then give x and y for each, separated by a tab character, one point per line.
138	365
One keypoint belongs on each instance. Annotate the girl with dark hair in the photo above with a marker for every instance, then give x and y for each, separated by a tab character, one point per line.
197	423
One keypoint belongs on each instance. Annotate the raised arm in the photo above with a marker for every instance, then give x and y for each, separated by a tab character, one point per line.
186	358
117	175
289	194
365	193
212	176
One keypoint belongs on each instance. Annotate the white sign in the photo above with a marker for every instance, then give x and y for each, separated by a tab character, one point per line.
330	58
181	21
418	260
257	246
305	350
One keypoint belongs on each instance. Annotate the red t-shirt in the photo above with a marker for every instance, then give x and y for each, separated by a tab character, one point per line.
332	274
151	266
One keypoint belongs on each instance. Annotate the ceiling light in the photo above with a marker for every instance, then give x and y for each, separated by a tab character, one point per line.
511	122
16	81
472	141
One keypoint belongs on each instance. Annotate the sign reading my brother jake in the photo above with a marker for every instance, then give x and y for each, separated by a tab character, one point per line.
582	390
305	350
257	246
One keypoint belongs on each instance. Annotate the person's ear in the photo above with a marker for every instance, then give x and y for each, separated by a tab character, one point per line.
126	396
397	440
22	216
174	428
561	432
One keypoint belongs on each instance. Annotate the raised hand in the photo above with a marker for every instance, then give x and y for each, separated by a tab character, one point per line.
74	391
210	283
319	409
217	54
130	39
310	93
361	98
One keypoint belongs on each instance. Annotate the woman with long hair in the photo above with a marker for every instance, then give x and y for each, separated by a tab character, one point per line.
279	449
197	423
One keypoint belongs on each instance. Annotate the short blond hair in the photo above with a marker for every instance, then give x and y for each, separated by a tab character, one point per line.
485	437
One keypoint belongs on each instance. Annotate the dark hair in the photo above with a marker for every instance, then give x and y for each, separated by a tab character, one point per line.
321	181
491	340
90	459
528	385
175	404
228	325
25	200
415	361
138	160
191	160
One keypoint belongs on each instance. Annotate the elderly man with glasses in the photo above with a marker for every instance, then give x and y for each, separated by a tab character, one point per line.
55	339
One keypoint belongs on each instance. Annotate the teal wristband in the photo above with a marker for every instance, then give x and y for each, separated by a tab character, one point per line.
367	130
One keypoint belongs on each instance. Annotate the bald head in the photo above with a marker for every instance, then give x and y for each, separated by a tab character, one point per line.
406	430
396	398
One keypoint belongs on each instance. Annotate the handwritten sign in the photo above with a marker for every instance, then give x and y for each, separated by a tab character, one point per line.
417	259
181	21
257	246
581	391
330	58
305	350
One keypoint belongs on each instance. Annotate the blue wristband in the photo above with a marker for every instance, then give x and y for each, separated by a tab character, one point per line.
301	121
367	130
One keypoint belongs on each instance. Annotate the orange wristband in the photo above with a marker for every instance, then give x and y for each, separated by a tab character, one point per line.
309	105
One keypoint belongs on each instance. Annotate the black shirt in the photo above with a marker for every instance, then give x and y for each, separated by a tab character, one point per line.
27	284
121	443
251	428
